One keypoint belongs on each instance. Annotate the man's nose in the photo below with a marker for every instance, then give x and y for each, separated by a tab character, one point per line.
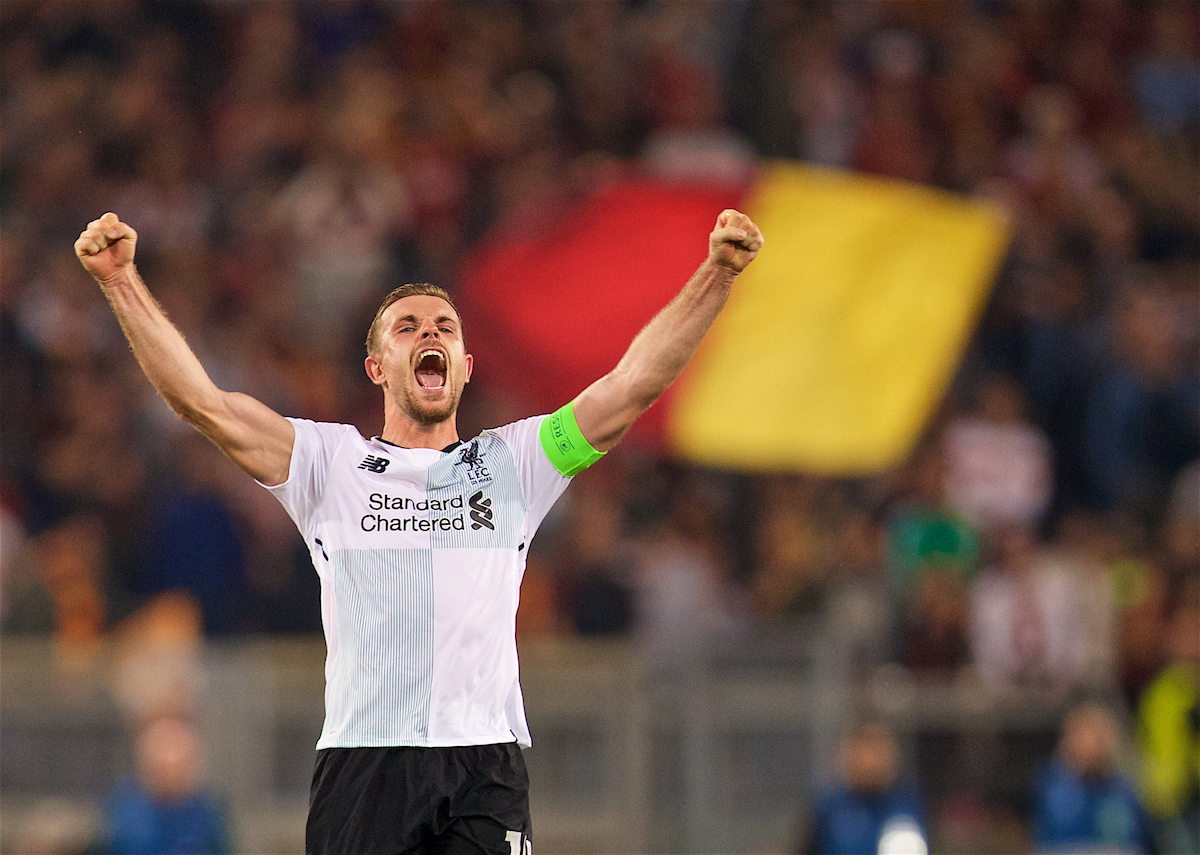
429	330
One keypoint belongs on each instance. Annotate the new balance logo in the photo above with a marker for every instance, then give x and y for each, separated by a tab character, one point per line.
374	464
481	512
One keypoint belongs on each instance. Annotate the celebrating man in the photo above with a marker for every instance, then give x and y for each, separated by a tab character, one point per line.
420	541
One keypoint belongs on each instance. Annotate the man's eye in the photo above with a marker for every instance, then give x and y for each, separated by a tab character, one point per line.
407	329
446	329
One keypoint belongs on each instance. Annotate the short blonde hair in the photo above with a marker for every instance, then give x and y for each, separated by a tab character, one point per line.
413	289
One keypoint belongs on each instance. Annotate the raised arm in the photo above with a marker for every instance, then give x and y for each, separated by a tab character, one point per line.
253	435
608	408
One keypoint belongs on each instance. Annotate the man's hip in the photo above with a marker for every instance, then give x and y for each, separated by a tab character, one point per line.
413	801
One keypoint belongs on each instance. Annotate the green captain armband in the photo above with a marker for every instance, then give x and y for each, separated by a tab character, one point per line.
565	444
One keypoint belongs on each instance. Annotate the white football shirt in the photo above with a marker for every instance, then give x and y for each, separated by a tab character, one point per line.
420	555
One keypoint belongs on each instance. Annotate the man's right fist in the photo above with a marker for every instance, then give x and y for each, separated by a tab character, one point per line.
106	246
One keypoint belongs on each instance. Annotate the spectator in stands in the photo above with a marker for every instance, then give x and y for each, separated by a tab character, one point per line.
824	99
1141	427
932	555
1169	732
935	623
858	607
998	466
1028	617
1145	604
1059	338
1166	78
923	531
685	606
894	138
596	572
1080	552
1081	800
872	810
690	142
790	576
1181	528
193	542
13	535
61	589
165	809
1053	163
690	139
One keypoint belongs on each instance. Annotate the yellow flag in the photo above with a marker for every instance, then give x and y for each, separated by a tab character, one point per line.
840	339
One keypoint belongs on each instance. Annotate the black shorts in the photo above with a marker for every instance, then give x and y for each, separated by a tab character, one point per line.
419	801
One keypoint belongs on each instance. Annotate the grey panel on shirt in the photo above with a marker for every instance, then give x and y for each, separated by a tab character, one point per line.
385	617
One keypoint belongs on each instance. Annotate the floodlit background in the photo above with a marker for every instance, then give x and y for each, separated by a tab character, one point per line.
935	473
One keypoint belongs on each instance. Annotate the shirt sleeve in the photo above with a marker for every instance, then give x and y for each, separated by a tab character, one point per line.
541	482
312	451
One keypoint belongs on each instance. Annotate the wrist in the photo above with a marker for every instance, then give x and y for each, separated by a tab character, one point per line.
123	276
722	273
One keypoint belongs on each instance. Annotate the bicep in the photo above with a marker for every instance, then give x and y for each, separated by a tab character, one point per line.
606	410
252	435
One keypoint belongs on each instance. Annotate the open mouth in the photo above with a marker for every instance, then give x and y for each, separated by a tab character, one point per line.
431	369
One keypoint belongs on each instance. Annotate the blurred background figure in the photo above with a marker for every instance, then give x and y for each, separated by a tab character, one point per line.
595	572
790	578
686	607
1027	618
193	542
1168	718
872	809
58	588
998	463
1140	424
1081	799
165	809
933	555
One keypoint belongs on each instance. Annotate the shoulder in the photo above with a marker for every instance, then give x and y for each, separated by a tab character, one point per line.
331	429
514	432
314	448
523	439
324	438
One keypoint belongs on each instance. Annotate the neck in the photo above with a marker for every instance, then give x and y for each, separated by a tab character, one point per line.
411	434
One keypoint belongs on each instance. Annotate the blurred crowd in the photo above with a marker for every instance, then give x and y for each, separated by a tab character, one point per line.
286	164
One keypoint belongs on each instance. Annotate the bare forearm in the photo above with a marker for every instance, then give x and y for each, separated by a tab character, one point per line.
659	353
159	347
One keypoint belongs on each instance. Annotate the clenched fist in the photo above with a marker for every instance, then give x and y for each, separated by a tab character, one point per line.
106	247
735	241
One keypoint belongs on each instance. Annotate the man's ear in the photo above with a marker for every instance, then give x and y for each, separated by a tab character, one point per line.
470	365
375	370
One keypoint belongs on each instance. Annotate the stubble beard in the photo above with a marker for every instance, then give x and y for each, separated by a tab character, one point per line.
425	414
